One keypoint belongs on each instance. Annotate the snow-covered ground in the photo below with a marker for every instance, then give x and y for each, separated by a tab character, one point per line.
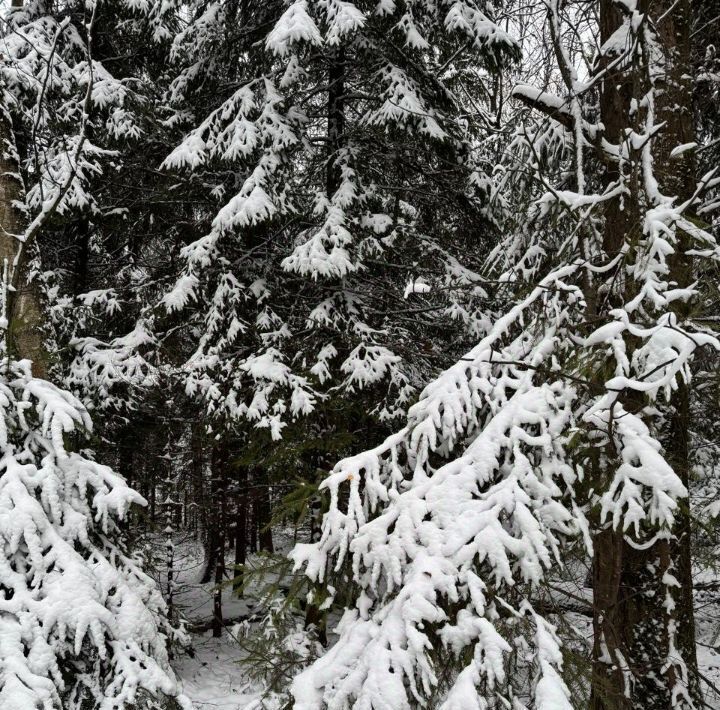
212	676
707	625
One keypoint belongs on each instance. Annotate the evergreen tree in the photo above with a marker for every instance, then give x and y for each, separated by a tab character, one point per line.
349	177
82	625
563	422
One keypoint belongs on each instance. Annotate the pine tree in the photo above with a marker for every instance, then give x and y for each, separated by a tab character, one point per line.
347	176
561	424
82	625
81	622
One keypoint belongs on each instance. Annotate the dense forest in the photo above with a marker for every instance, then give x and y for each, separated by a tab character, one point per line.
359	354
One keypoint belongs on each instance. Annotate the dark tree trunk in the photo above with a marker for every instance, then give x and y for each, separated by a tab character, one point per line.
252	510
631	621
206	521
240	530
219	480
263	513
336	117
675	108
153	493
630	625
197	471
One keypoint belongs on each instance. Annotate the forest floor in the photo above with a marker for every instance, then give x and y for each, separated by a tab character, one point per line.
707	627
213	679
211	674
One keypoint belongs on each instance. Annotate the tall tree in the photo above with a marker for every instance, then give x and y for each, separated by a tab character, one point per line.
81	622
570	418
332	263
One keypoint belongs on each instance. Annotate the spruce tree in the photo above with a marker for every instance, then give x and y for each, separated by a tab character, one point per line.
563	423
82	625
348	176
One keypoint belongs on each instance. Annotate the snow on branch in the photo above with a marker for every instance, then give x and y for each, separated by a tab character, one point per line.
68	589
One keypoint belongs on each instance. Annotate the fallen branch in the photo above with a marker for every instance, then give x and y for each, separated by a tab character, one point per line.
199	627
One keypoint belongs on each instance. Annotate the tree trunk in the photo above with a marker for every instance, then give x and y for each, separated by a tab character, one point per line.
219	477
253	525
197	471
263	513
673	22
153	493
631	622
22	311
630	644
336	117
240	530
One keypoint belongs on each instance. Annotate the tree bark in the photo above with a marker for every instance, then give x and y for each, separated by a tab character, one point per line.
336	117
263	515
197	472
240	530
630	619
219	474
675	109
23	311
